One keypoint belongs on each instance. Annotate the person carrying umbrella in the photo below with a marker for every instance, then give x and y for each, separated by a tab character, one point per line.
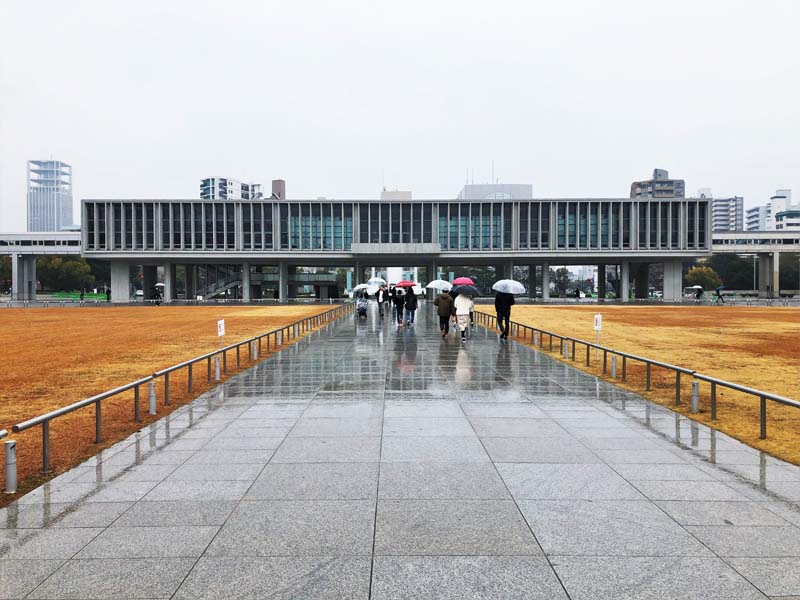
463	304
503	301
445	308
399	303
718	294
381	296
411	305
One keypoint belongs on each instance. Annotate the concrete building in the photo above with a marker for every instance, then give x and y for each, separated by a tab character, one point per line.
49	195
787	220
223	188
496	191
727	214
359	234
757	217
765	217
660	186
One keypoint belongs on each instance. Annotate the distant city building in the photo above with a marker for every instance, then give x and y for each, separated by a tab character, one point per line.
49	195
727	214
780	202
496	191
222	188
765	217
787	220
395	195
705	193
756	218
660	186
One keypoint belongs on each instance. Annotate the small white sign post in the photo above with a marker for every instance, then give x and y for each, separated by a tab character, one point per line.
220	335
598	326
221	328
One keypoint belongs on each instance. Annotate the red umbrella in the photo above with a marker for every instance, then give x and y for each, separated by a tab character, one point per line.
463	281
405	283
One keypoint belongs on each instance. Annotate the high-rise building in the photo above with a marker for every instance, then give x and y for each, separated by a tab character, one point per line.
766	216
496	191
727	214
222	188
660	186
49	195
757	216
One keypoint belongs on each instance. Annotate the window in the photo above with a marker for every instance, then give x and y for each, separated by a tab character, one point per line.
463	226
316	226
405	223
395	222
247	223
443	238
475	226
374	223
416	223
208	212
642	207
258	233
117	226
508	218
604	225
385	229
338	227
583	224
165	237
284	226
348	226
427	223
363	223
266	212
219	226
545	228
327	225
186	210
197	209
594	208
561	225
523	224
149	224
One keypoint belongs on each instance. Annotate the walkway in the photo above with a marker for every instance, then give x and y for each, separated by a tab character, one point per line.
364	462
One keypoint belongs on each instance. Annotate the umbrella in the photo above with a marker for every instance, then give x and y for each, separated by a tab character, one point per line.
440	284
720	288
160	285
463	281
406	283
467	290
695	287
509	286
360	286
376	281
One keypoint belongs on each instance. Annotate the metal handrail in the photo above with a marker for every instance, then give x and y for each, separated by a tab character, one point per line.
280	335
649	362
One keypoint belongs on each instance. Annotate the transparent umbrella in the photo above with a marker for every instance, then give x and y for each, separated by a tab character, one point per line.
440	284
509	286
376	281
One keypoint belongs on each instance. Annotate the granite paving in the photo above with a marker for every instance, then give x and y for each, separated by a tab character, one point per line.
369	460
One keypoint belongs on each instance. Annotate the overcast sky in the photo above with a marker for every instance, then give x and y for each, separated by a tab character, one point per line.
339	98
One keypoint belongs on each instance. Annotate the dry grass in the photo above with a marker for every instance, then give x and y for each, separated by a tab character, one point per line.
757	347
53	357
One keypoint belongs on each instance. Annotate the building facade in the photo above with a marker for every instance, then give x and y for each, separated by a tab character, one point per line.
757	217
223	188
660	186
727	214
49	195
362	234
496	191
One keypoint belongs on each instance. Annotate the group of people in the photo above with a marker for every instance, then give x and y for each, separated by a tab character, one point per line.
404	303
460	308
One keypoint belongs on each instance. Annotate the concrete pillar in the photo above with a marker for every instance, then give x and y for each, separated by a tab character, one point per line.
23	277
189	280
149	280
776	281
359	273
546	281
531	281
509	270
246	282
601	282
625	281
673	280
169	282
765	275
433	271
120	282
283	282
641	281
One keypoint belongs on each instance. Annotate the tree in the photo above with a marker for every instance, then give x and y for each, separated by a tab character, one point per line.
705	277
5	273
735	271
560	279
57	273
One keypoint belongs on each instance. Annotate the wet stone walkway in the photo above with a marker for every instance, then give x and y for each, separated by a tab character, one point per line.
367	462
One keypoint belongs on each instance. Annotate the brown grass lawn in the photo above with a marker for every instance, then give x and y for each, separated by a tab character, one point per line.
53	357
757	347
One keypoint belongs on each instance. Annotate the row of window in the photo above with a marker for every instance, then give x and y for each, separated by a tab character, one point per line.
330	225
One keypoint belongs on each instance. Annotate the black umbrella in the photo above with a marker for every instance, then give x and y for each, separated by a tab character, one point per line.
467	290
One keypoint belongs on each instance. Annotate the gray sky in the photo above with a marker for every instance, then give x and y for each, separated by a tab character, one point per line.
579	98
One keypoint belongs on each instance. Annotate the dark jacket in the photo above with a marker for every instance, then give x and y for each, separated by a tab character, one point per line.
503	303
411	301
444	304
398	298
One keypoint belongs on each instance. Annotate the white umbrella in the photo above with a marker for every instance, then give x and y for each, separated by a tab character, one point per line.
509	286
376	281
440	284
361	286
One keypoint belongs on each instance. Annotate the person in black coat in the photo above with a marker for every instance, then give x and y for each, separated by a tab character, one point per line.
502	305
410	306
399	302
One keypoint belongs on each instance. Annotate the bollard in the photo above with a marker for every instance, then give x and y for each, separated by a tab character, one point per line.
695	397
613	366
151	398
10	448
216	368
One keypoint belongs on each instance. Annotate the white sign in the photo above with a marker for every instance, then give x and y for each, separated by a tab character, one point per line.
598	322
221	327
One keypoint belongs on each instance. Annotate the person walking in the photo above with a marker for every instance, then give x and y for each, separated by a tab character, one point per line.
381	297
108	294
83	293
502	305
445	309
463	303
411	305
399	303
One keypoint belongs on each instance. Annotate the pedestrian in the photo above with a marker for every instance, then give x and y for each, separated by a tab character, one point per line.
698	295
445	309
502	305
83	293
399	304
718	294
462	306
381	297
411	305
157	296
108	294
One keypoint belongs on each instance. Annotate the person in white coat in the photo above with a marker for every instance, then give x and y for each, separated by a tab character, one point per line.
463	305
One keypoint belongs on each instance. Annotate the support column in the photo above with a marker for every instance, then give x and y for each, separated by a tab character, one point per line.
601	282
283	282
625	281
764	275
433	271
120	282
169	282
246	282
509	270
149	280
531	281
546	281
23	277
673	280
776	280
359	273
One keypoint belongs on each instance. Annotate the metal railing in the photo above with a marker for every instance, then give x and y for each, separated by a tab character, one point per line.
567	349
273	339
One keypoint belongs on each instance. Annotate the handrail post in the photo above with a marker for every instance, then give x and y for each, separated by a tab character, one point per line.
647	378
151	398
208	368
10	460
225	362
166	389
587	355
677	387
624	367
45	446
763	418
98	421
605	360
572	344
190	377
713	401
137	415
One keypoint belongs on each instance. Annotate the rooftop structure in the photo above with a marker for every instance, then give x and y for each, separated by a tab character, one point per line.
49	195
